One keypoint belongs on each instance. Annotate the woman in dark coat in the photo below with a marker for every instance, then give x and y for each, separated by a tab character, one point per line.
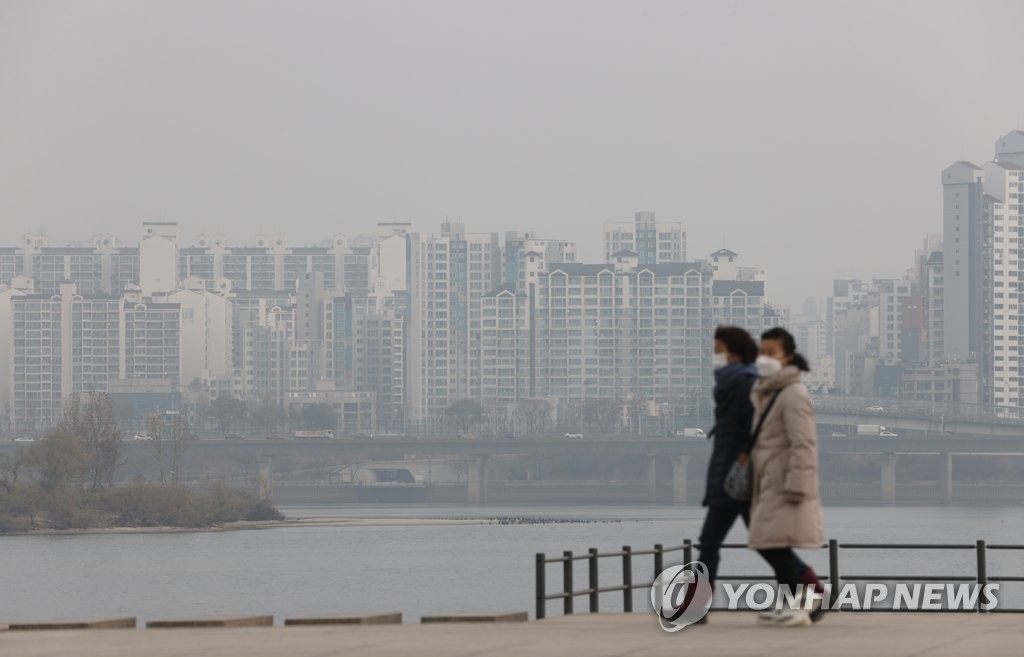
735	375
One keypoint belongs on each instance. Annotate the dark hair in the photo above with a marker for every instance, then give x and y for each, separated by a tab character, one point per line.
738	342
785	338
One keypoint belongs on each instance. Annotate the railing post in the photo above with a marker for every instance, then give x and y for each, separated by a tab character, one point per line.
541	593
627	578
687	551
833	571
592	568
982	578
659	565
567	582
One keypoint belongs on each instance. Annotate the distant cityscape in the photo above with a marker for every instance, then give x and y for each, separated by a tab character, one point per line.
392	330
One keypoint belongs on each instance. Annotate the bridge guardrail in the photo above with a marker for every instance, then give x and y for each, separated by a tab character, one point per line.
593	591
940	412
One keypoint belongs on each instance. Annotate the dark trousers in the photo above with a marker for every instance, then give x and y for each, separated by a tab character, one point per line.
788	567
717	523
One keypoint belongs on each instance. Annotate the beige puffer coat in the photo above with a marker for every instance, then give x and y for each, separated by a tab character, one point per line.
785	458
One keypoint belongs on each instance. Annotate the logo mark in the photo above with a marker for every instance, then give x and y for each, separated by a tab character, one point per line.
681	595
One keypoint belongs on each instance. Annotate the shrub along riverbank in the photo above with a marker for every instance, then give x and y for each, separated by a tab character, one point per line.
51	485
28	507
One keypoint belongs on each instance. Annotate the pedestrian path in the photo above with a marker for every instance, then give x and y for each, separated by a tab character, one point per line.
594	635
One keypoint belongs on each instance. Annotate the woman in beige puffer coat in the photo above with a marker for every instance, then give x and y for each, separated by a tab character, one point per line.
785	506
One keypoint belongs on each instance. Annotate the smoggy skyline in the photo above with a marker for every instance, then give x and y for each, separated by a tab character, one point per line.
807	137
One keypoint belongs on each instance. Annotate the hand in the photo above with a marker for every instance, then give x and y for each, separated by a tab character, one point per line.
793	497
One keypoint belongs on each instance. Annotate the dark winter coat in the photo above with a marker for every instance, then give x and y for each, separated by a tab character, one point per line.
734	413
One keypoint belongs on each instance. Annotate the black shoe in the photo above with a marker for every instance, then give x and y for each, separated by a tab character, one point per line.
818	610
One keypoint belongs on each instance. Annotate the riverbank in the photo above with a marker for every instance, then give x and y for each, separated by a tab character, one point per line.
306	523
243	525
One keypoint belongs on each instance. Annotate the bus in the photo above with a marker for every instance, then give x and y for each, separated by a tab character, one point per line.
319	434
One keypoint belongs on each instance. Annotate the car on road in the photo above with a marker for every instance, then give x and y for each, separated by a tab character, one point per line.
692	432
24	439
875	409
888	434
573	435
838	434
234	436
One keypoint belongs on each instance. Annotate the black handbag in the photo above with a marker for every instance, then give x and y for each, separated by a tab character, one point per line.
738	482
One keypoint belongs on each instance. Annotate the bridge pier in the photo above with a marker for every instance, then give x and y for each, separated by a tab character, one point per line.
679	463
265	491
946	477
889	478
477	478
652	479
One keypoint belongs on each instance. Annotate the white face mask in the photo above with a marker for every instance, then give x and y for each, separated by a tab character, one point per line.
718	361
766	366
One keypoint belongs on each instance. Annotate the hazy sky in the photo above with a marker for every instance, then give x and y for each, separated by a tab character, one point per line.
807	136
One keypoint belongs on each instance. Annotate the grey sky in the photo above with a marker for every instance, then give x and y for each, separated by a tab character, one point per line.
808	136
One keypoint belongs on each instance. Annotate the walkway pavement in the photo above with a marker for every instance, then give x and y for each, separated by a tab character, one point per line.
727	634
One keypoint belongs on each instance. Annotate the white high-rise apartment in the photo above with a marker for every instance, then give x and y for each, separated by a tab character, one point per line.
449	273
983	220
158	257
523	249
505	352
892	294
97	267
964	291
150	339
932	285
206	332
59	345
1003	207
389	260
654	242
621	332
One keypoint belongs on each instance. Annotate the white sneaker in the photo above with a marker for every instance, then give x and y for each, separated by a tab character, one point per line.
785	618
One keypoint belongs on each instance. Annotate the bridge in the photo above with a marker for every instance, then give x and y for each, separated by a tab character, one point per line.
677	453
390	449
927	417
672	457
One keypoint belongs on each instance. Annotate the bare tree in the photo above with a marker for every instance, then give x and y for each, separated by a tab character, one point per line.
535	413
465	415
94	423
602	414
12	466
171	437
460	467
60	462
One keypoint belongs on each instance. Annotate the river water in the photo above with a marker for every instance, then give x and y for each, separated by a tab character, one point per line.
426	569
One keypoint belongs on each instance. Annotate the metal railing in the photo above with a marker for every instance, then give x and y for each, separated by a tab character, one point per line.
593	591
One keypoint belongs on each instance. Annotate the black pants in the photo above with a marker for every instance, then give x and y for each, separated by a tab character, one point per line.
788	567
717	523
